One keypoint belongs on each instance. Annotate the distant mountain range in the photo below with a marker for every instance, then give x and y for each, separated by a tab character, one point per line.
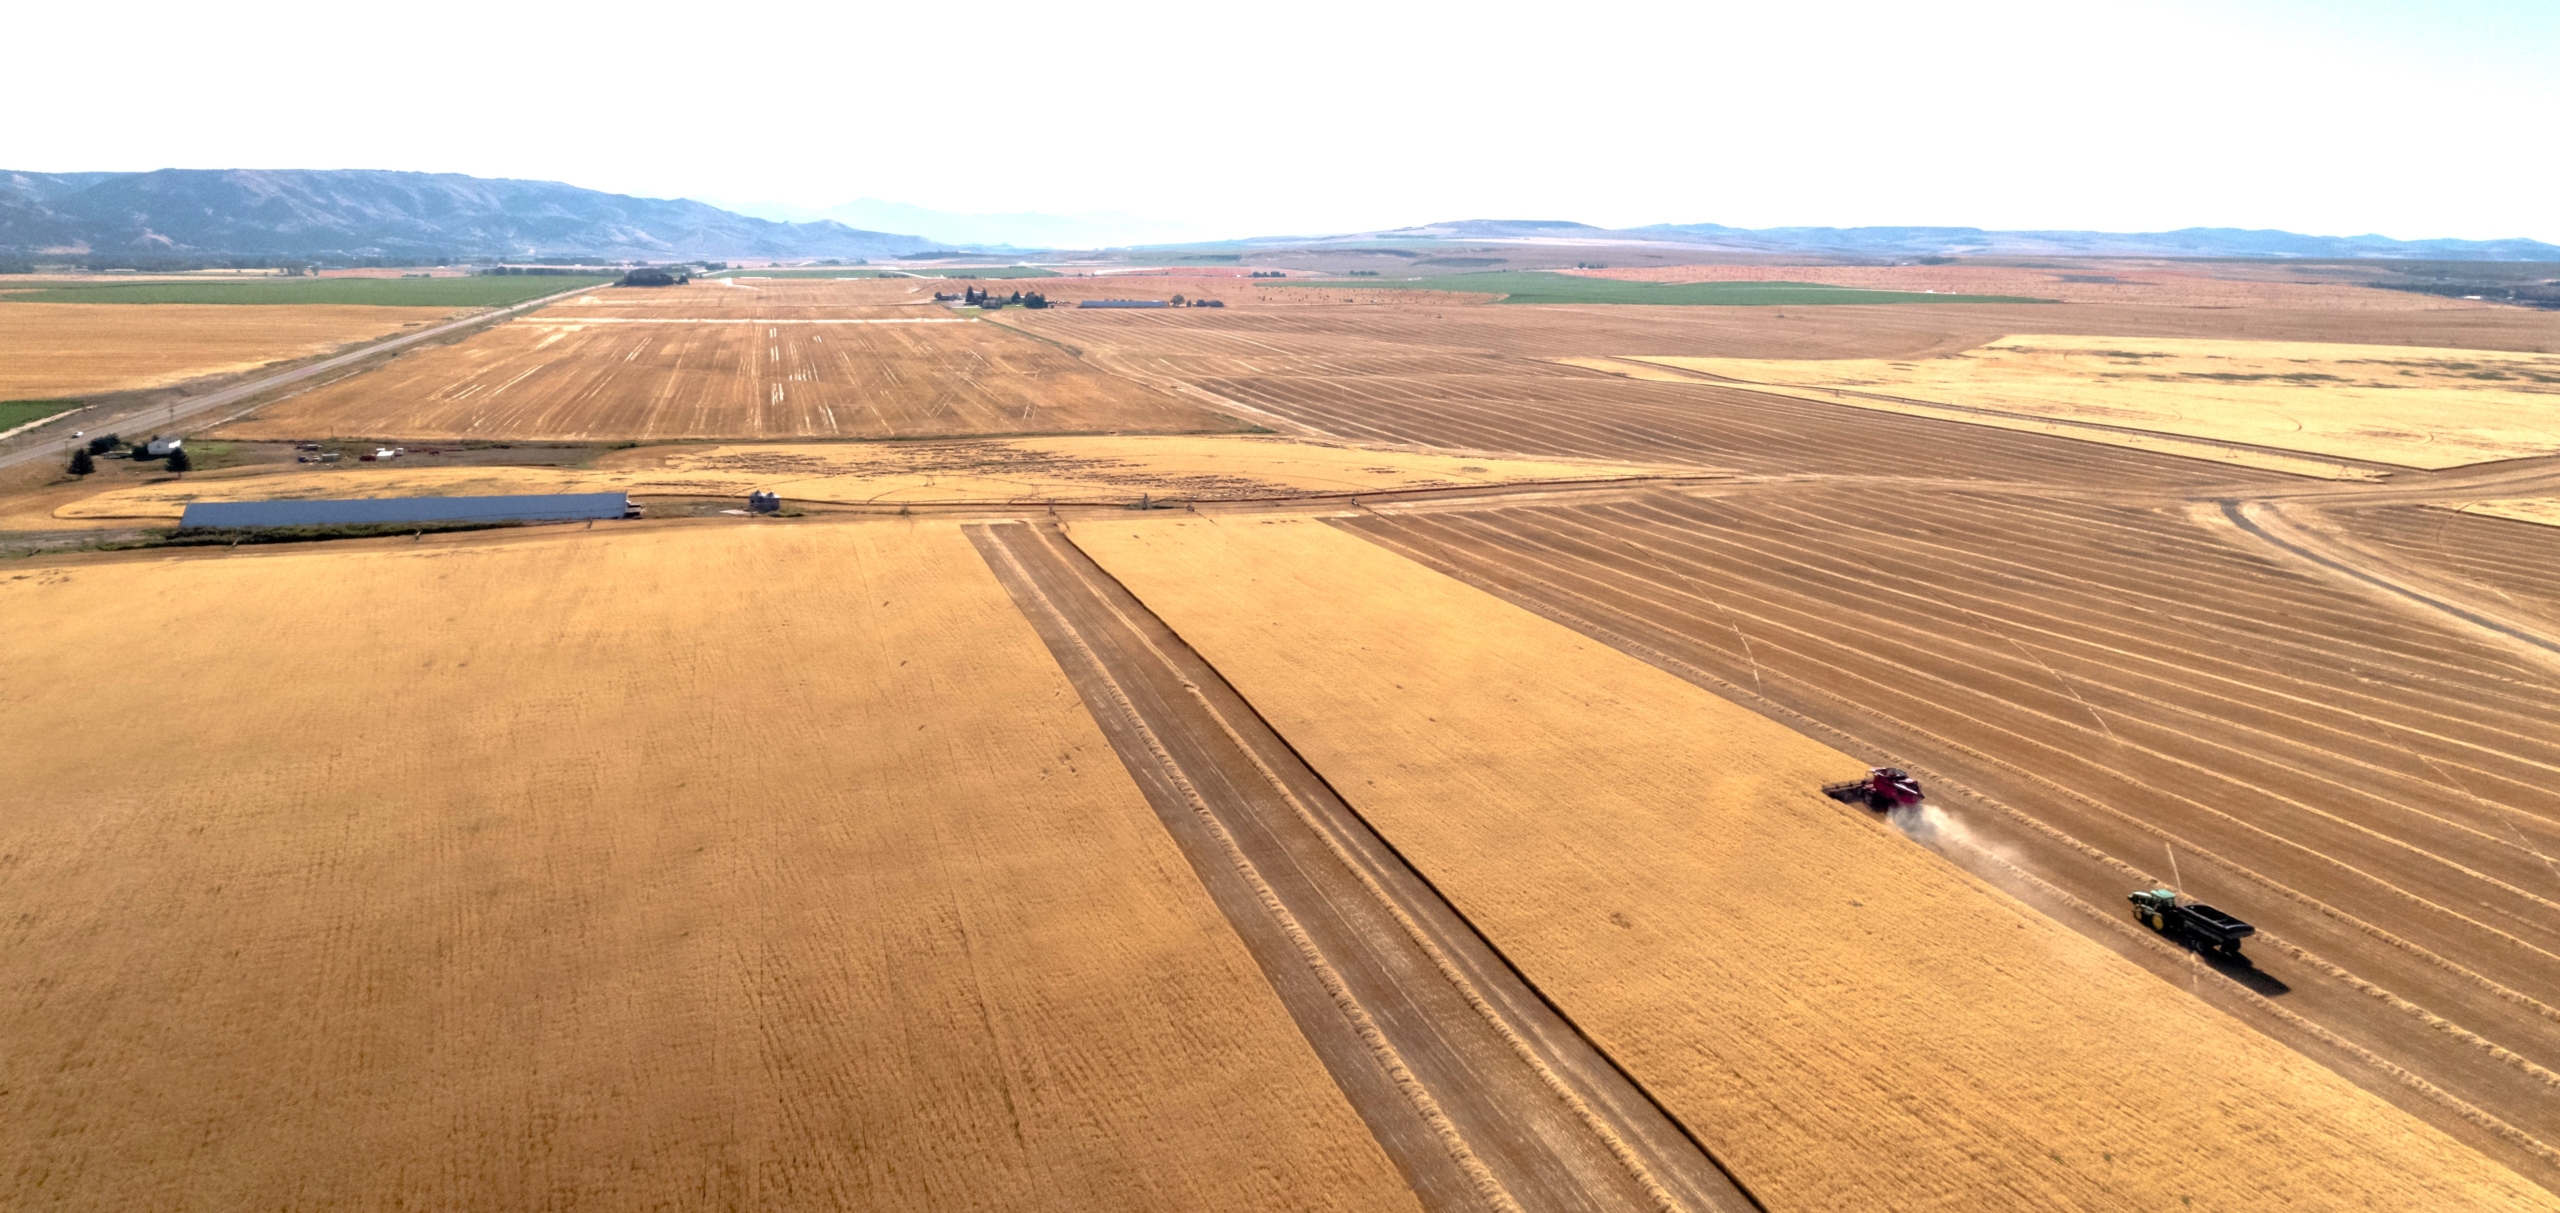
349	214
363	213
1012	229
1870	242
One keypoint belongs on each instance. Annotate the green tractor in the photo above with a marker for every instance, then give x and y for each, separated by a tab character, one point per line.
2209	929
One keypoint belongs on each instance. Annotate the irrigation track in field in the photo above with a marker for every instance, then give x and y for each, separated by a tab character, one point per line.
172	414
2084	683
2269	522
1483	1094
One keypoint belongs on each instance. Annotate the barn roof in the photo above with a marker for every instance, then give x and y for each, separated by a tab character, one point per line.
531	507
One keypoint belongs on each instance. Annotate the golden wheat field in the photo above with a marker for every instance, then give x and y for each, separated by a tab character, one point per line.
2141	282
2409	407
73	349
1846	1020
2166	444
1073	468
623	869
2544	510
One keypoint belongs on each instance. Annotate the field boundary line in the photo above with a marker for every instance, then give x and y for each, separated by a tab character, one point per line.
14	431
2408	1078
731	320
1440	959
1382	1049
2175	760
1694	673
2243	515
1708	680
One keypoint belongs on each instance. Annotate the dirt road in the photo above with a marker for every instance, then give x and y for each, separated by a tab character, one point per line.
182	416
1485	1095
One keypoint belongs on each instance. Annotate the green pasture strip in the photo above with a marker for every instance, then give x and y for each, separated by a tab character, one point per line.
917	271
493	290
991	271
1531	286
15	413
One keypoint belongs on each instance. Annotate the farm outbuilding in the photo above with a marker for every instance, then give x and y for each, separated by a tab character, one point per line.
534	507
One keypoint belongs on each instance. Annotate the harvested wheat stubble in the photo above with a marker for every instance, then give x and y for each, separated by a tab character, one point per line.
552	376
1074	468
2165	444
1392	379
1843	1018
2103	682
70	349
757	869
2413	407
2504	553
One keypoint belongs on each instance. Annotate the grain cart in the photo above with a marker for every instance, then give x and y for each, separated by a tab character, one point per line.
2209	929
1883	789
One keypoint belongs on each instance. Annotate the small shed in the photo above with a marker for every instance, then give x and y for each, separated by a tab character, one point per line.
162	446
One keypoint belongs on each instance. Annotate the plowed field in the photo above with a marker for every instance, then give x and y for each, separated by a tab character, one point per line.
2129	696
70	349
1844	1019
677	870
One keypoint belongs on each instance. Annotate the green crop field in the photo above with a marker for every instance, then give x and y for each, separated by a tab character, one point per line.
957	271
841	271
480	291
1524	286
15	413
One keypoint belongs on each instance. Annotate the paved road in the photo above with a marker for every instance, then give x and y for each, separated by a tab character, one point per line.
47	443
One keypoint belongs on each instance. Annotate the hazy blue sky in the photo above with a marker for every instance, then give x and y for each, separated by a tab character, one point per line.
2338	117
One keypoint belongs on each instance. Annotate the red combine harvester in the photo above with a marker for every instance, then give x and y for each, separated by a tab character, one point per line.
1884	789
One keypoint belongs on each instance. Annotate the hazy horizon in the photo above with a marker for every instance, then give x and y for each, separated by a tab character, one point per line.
2387	118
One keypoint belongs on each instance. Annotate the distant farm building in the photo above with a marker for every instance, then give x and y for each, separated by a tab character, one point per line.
543	507
1122	303
162	446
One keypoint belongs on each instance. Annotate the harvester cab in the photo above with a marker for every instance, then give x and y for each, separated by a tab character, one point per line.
1884	789
2209	929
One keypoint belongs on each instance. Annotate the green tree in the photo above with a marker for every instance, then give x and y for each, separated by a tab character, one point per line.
81	463
178	461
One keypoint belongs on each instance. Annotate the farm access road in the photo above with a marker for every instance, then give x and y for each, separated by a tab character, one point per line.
42	443
1485	1096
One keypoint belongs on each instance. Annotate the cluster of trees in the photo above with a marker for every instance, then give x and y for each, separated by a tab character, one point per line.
1268	274
85	460
539	269
1030	299
646	276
